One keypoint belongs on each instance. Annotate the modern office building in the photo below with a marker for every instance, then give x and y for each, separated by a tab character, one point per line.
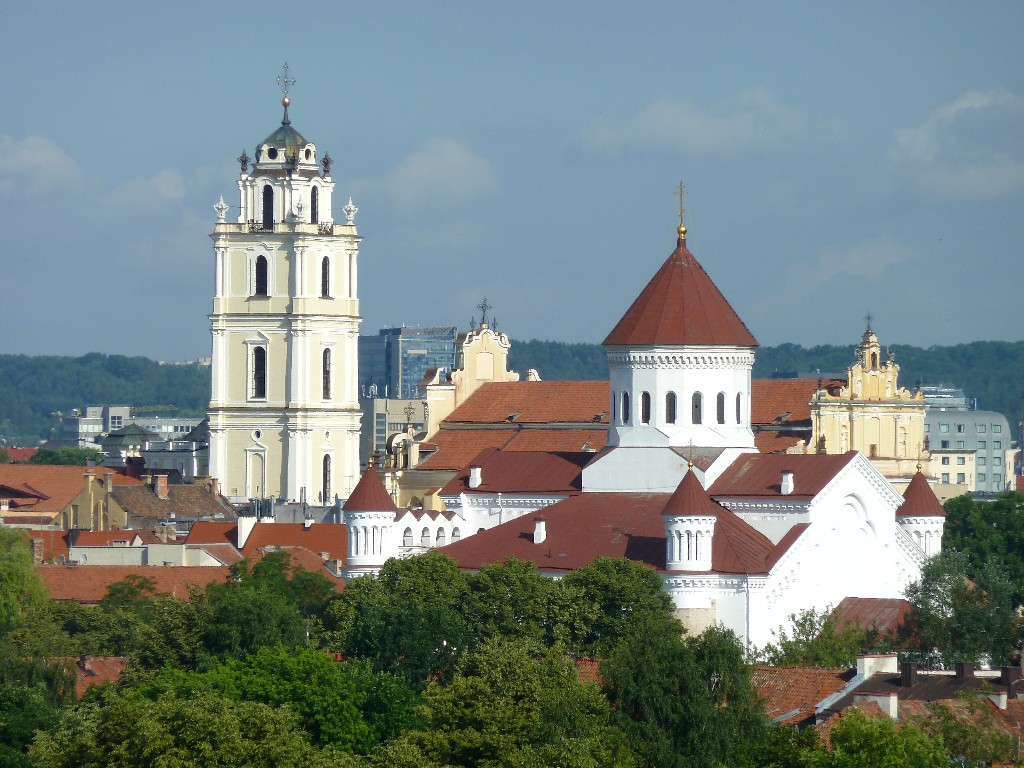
951	425
393	362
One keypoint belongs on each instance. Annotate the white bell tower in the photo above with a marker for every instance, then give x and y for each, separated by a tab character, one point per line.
284	412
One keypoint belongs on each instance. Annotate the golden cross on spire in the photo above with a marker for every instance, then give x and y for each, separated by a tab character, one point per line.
681	194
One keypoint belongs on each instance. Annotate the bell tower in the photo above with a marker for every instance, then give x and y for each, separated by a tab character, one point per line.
284	412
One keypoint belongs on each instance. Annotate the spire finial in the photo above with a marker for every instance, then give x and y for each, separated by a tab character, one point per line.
867	319
681	194
483	306
285	82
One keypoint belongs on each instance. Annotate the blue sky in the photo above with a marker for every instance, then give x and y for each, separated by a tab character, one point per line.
839	159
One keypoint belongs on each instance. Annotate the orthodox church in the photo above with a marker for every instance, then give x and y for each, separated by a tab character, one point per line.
740	538
284	412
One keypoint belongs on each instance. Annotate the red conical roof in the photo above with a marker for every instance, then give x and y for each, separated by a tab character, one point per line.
370	495
919	500
681	306
690	499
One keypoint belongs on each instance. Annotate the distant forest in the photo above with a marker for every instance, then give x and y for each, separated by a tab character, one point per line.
32	389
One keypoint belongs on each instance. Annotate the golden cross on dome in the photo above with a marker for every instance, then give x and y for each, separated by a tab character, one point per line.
285	81
681	194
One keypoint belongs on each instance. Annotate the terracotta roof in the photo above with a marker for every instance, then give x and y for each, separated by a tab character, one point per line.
885	615
224	553
21	454
370	495
535	402
100	538
559	440
760	474
975	713
681	306
869	709
522	472
457	447
96	670
213	532
183	501
89	583
737	547
784	401
691	499
787	541
791	694
776	442
49	489
331	538
589	670
919	500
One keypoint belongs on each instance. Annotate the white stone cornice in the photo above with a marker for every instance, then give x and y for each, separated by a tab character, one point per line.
676	360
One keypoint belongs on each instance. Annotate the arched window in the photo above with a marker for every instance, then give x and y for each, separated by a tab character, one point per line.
456	535
720	407
327	480
260	283
645	407
268	207
739	408
259	372
314	206
407	538
697	408
425	537
440	537
327	374
625	407
325	277
670	408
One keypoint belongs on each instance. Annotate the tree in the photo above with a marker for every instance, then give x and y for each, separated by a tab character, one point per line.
961	618
878	742
507	707
21	591
989	530
68	456
815	640
683	701
971	730
510	600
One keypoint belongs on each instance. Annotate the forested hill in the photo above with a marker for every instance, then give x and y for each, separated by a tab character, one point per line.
991	371
33	388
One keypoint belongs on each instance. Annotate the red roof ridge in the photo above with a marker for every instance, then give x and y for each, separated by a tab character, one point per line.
370	495
681	305
919	500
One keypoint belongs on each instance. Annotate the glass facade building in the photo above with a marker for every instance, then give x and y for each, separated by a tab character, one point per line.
392	363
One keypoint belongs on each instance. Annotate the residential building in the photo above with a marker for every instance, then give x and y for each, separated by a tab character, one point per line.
86	427
284	411
393	363
951	426
39	495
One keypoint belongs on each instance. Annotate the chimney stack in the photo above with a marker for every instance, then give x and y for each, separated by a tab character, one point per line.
908	674
475	477
540	531
160	486
964	670
787	485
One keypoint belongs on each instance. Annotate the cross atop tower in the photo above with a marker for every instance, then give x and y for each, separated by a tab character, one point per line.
681	194
483	306
285	81
868	318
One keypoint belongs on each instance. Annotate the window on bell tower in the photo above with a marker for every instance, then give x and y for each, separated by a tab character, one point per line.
259	372
325	277
314	205
327	374
260	286
625	407
268	207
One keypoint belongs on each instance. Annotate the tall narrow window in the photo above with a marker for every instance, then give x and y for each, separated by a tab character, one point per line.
268	207
325	276
625	407
314	205
697	408
259	372
425	537
720	408
670	408
260	287
326	494
440	537
645	407
327	374
739	408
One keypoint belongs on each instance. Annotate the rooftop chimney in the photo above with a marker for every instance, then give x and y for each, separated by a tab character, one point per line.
108	481
160	486
908	674
964	670
245	525
475	477
787	482
888	702
540	531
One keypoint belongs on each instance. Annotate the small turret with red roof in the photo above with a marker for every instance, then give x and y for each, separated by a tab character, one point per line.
921	515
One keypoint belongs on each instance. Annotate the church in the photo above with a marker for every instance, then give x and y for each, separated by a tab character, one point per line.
284	412
740	538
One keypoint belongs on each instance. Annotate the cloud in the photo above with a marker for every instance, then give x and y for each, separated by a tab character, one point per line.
969	149
867	260
442	175
751	121
35	166
149	193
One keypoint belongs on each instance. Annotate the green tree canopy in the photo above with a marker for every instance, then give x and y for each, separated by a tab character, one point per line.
814	639
68	455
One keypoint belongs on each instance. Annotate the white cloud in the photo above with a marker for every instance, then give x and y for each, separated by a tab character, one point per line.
751	121
149	193
34	166
867	260
969	149
442	175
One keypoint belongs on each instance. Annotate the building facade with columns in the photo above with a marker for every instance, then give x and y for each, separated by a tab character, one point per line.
284	411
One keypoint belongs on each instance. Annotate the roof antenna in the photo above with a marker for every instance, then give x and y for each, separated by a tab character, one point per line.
285	81
681	194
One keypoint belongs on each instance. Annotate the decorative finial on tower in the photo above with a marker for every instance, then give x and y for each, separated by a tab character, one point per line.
350	212
681	194
285	81
689	453
327	161
483	306
243	160
222	209
867	319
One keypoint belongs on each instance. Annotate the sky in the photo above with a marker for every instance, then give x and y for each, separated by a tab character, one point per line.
840	159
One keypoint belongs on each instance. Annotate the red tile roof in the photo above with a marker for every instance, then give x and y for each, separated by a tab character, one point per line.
885	615
183	501
760	474
919	500
100	538
89	583
21	454
213	532
681	305
691	499
791	694
784	401
370	495
737	547
776	442
522	472
330	538
457	447
96	670
49	489
535	402
559	440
